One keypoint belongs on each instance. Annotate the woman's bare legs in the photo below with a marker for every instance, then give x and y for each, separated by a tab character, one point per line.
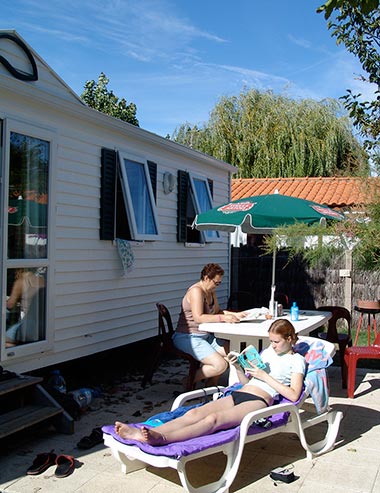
207	419
212	367
189	418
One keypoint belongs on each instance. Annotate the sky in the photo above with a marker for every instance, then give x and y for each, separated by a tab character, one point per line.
175	59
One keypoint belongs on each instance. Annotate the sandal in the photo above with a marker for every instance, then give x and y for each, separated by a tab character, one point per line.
95	437
65	466
41	463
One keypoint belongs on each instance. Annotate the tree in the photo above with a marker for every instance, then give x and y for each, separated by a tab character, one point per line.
360	235
98	96
320	244
357	26
267	135
365	6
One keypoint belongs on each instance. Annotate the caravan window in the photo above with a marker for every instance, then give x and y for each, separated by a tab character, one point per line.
139	198
194	197
202	202
27	239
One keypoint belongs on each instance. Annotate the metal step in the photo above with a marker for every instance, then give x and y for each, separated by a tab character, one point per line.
17	383
25	403
25	417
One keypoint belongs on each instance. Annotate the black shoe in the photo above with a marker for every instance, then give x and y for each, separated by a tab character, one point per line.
95	437
41	463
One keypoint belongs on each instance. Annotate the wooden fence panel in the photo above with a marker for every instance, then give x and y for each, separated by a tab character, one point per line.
252	271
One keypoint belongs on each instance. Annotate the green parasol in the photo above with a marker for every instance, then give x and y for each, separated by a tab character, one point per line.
262	214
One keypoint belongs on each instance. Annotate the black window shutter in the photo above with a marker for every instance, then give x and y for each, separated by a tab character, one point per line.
211	187
107	194
183	180
153	177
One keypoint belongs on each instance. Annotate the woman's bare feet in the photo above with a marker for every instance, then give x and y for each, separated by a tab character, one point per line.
128	432
142	434
152	436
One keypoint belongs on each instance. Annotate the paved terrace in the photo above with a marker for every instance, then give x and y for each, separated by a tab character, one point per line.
353	466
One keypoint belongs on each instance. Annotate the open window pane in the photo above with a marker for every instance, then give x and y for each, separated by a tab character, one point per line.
139	199
203	203
26	247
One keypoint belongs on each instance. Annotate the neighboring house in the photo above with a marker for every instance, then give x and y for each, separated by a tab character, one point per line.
343	193
72	181
347	194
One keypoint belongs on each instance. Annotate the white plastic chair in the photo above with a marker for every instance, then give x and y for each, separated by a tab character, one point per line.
133	457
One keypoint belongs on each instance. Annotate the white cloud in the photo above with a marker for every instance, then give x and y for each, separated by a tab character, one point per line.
145	30
345	74
304	43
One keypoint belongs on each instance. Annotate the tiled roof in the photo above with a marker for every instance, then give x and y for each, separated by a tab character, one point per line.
339	192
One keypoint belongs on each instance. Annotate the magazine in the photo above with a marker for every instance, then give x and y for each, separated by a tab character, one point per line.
255	314
249	356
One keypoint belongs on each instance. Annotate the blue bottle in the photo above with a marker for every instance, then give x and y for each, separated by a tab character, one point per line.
57	382
294	312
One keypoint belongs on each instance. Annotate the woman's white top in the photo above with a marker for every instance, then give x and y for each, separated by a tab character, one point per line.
280	367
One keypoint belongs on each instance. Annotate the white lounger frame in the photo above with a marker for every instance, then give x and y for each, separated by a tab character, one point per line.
132	458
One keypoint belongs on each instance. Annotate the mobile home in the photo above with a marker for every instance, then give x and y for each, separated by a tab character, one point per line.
95	218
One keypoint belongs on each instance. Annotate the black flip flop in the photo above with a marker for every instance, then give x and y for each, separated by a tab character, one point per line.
41	463
95	437
65	466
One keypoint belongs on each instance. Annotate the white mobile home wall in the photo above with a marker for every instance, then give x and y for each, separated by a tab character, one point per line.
92	306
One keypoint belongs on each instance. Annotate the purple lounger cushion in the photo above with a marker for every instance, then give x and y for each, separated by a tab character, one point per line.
194	445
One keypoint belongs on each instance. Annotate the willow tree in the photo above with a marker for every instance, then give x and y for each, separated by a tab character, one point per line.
268	135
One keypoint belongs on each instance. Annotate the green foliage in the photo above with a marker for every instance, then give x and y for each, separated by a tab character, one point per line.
99	97
360	232
29	159
365	6
357	26
268	135
296	237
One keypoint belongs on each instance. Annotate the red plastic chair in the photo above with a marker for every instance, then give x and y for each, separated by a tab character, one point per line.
282	298
165	345
351	357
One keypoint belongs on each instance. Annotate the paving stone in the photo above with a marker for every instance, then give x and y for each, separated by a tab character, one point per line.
352	467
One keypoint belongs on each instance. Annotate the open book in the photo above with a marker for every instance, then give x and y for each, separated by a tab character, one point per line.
249	356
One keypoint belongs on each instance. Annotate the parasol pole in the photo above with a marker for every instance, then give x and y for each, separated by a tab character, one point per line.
273	286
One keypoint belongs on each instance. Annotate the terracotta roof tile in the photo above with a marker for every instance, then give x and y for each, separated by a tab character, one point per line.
339	192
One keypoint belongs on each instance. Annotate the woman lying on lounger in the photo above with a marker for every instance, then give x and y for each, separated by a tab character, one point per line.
284	374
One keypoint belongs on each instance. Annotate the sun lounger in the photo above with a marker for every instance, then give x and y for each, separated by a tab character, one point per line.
285	417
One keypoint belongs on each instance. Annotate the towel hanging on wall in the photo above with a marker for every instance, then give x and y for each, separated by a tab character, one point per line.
126	254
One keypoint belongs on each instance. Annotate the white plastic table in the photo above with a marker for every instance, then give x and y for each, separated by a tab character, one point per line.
255	332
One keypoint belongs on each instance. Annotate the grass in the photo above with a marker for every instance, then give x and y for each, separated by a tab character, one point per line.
362	341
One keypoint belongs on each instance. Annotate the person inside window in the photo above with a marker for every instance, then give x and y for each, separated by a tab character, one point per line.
26	286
